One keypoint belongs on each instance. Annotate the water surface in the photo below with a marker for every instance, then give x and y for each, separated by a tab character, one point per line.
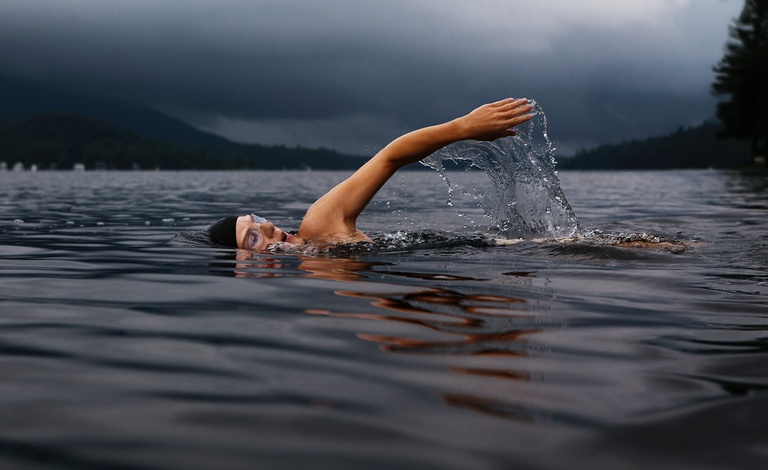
126	341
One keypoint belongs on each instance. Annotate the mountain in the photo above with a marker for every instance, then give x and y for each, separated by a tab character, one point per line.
696	147
21	101
58	140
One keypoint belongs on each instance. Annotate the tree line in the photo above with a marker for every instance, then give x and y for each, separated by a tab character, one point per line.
696	147
61	140
741	78
740	136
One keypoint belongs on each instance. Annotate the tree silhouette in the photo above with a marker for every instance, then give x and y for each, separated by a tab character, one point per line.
742	74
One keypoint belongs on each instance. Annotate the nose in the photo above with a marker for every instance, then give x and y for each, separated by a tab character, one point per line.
268	228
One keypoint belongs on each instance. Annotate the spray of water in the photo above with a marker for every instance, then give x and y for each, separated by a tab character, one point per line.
523	199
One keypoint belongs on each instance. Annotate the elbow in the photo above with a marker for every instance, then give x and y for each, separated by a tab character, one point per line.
390	159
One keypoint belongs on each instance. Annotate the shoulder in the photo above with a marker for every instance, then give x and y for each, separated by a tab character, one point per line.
326	222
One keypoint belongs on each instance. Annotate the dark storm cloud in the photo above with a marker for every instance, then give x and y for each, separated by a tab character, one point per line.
353	74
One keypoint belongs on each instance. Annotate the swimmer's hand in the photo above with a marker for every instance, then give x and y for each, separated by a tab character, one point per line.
495	120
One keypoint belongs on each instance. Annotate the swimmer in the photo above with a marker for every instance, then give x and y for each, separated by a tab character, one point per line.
332	219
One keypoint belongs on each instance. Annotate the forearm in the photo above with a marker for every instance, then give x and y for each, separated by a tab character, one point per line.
419	144
488	122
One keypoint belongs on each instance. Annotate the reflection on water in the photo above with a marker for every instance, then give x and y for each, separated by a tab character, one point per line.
459	324
480	322
468	324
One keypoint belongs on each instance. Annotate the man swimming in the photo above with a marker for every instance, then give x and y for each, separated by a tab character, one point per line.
332	219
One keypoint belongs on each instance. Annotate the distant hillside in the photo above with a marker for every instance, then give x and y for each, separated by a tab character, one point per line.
59	140
21	101
697	147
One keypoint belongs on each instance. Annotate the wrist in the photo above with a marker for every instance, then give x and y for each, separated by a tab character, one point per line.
458	129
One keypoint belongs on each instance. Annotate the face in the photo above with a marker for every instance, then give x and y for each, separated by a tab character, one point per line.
256	233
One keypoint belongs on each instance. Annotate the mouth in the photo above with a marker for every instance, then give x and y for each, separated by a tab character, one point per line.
285	237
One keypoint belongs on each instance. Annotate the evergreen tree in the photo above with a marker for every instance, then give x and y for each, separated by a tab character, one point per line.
742	74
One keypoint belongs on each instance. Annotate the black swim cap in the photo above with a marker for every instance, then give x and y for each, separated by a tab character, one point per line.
223	231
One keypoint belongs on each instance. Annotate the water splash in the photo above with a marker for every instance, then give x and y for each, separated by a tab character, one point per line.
524	198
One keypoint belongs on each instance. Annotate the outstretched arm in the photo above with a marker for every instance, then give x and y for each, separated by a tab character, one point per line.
337	211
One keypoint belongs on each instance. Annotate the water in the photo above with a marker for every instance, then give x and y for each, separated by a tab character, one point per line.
520	195
127	342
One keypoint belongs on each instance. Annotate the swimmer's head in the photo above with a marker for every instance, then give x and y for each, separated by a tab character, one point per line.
223	231
249	232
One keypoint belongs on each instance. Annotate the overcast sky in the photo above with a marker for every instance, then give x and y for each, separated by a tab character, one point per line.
353	74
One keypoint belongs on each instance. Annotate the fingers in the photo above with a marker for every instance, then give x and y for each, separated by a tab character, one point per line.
521	105
494	120
510	107
512	102
516	118
503	102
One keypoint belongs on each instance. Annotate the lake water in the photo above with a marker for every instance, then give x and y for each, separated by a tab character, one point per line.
128	342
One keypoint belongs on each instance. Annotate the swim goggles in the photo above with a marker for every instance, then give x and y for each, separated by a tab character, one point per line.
255	238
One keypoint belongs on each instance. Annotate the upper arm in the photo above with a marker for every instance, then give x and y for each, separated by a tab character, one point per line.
338	209
344	203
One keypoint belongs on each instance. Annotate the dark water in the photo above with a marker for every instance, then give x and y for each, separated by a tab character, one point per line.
126	342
